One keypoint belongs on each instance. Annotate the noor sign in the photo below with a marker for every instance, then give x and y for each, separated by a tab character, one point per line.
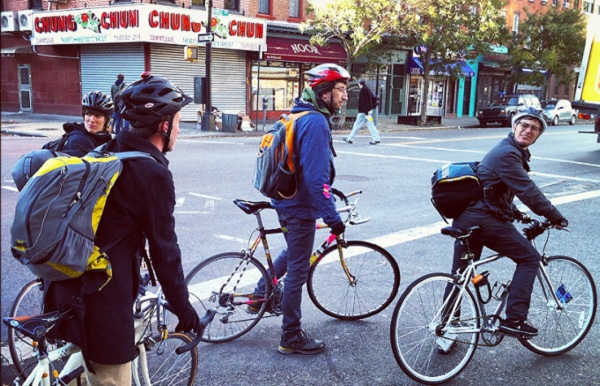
147	23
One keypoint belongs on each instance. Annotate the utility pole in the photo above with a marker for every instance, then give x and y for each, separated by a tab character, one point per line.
208	117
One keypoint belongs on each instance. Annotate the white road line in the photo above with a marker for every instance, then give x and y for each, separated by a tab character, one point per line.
11	188
205	196
231	238
215	142
192	212
179	202
436	148
567	161
394	157
564	177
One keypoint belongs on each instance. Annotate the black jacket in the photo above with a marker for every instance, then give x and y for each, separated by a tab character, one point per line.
503	172
80	141
366	100
141	202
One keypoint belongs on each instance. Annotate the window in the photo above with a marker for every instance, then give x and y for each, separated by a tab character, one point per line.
264	7
566	4
35	4
199	2
295	9
515	28
554	3
576	4
232	5
588	6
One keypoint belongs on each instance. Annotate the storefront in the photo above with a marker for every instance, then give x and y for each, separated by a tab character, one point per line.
448	96
134	38
277	79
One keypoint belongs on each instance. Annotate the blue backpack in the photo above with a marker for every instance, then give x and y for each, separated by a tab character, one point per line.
454	187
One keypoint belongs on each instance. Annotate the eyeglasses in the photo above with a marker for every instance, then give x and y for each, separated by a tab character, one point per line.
341	89
534	128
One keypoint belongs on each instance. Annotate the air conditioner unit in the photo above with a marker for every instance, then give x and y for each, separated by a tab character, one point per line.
9	22
25	20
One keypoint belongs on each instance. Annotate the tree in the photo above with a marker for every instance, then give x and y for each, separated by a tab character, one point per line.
359	25
447	30
551	43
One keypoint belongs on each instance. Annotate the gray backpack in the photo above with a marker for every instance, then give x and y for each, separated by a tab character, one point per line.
58	212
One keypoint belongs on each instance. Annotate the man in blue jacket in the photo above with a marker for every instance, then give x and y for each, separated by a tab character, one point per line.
503	172
326	92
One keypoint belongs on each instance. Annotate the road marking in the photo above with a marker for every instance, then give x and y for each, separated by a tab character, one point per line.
179	202
11	188
205	196
394	157
231	238
214	142
564	177
567	161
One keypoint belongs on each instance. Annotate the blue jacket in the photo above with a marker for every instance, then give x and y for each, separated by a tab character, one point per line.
314	151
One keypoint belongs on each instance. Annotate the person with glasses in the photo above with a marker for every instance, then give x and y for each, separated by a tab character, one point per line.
324	94
503	172
366	103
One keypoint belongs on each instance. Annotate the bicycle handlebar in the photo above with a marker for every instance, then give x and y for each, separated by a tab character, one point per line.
538	227
204	321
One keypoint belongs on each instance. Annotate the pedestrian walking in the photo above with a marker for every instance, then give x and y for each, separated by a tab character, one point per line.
118	121
366	103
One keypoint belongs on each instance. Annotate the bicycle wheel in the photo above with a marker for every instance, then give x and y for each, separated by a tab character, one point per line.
226	283
426	349
29	302
560	330
165	367
374	284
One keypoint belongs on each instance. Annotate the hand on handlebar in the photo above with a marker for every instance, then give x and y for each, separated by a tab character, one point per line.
338	228
559	223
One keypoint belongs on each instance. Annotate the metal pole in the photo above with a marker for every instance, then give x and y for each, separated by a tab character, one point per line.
208	99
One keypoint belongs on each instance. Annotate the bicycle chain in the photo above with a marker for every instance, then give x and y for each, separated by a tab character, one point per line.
487	341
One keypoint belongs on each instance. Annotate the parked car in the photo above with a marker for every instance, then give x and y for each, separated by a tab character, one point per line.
559	110
503	109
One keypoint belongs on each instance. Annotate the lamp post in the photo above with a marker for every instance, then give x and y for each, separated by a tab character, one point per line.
208	117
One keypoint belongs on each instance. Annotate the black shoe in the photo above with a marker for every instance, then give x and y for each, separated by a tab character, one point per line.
300	344
374	142
348	141
517	328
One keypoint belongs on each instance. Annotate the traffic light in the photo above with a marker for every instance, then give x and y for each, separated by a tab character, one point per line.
191	53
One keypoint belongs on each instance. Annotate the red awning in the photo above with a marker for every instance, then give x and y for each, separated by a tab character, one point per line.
297	50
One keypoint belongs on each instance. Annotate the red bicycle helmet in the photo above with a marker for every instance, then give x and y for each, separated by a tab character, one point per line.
328	74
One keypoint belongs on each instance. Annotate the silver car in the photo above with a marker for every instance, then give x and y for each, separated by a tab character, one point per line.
558	110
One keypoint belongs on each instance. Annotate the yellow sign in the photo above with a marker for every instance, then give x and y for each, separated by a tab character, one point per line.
591	84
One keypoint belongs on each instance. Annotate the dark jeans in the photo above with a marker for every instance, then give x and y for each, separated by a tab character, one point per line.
504	238
294	263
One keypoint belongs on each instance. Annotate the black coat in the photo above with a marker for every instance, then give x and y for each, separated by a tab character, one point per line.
80	141
366	100
141	203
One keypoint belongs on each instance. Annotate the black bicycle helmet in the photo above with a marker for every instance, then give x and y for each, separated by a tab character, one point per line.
531	112
99	102
324	76
150	100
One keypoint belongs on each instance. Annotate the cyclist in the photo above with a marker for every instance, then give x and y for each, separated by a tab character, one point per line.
503	173
326	92
141	204
97	108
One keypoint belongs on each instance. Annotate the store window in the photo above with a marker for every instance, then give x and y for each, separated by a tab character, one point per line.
264	7
279	82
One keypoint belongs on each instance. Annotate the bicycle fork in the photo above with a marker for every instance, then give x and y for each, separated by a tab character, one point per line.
341	244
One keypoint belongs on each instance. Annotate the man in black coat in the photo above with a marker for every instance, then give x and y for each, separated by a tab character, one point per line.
366	103
503	174
140	207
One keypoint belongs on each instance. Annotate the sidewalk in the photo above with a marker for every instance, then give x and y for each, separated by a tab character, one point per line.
49	125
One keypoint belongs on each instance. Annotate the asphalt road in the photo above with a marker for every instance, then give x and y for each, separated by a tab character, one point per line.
395	177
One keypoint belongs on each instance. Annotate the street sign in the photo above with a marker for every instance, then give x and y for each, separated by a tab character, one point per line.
206	38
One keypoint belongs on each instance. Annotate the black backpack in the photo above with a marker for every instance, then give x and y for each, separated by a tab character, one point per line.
454	187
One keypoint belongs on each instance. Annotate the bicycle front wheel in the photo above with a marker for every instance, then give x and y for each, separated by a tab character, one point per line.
429	347
226	282
369	287
165	367
562	325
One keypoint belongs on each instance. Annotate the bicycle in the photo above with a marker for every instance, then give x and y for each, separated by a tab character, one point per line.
56	362
365	281
434	336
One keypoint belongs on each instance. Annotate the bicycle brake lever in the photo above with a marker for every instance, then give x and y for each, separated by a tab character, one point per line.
359	221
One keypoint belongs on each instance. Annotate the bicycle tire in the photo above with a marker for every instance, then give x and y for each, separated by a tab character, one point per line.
562	330
165	367
415	331
210	284
29	302
376	281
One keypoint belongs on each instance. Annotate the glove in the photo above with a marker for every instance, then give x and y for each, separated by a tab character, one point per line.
337	228
189	320
522	217
560	222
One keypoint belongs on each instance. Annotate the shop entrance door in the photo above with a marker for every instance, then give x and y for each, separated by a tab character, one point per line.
24	71
414	98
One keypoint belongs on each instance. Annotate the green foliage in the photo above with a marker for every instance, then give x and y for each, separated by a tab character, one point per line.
553	41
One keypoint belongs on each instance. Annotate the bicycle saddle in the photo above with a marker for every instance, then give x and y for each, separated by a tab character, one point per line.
37	326
459	233
250	207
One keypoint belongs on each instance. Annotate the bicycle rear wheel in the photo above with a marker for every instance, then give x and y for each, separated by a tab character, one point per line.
560	330
226	282
418	335
165	367
375	278
29	302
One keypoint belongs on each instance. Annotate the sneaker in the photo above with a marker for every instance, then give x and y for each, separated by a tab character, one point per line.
348	141
374	142
300	344
517	327
254	308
